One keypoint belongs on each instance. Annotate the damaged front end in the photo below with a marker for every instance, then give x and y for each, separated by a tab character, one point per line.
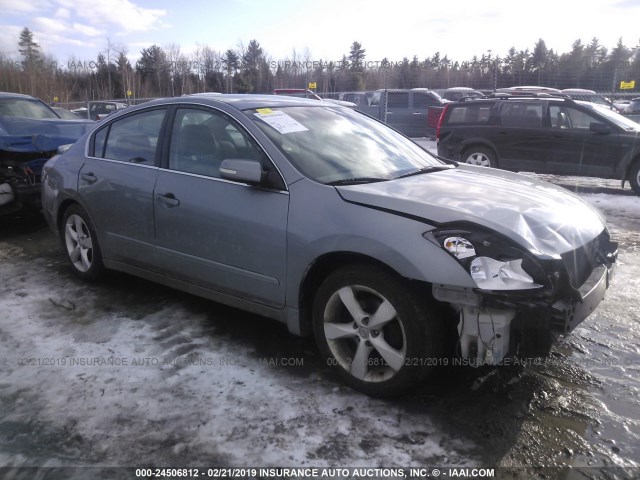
20	179
24	152
524	299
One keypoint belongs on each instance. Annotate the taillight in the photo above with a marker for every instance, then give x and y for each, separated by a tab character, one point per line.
440	120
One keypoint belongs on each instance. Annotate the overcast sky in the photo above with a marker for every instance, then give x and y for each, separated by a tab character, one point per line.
461	29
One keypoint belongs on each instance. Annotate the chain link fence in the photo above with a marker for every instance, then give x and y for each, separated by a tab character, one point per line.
413	112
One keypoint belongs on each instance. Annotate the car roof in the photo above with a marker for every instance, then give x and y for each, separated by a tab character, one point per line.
16	95
460	89
246	101
403	90
515	97
107	102
536	88
578	90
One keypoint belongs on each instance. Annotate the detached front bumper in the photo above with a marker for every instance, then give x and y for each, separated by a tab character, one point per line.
493	327
23	180
565	316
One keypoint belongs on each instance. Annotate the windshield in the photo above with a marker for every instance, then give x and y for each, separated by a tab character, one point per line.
23	107
331	145
65	114
619	120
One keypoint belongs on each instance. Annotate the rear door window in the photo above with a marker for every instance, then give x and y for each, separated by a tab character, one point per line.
422	100
521	114
131	139
398	100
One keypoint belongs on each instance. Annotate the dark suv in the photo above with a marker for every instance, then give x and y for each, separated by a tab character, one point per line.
543	135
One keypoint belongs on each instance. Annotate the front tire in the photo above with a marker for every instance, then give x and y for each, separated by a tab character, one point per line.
634	177
480	156
81	244
374	331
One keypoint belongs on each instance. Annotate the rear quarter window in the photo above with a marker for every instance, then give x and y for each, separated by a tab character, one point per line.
470	114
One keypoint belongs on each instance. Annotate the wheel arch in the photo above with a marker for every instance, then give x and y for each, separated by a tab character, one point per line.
631	166
62	208
478	142
322	267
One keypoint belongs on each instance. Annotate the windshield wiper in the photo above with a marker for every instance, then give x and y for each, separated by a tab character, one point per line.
433	168
357	180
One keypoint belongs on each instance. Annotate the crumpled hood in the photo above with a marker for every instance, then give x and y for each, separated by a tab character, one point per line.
541	217
27	135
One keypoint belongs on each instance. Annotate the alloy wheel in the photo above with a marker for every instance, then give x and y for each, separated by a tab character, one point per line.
364	333
79	243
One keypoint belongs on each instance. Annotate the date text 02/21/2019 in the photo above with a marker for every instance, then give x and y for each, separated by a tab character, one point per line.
310	472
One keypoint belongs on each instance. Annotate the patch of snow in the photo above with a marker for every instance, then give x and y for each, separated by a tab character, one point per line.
156	388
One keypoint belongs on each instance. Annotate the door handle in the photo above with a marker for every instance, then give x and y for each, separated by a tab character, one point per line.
169	199
89	177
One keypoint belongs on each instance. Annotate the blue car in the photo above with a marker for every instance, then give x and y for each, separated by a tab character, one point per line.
30	134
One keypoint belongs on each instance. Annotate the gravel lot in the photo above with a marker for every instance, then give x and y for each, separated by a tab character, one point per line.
129	373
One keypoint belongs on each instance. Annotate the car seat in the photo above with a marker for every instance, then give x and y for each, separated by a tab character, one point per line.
196	151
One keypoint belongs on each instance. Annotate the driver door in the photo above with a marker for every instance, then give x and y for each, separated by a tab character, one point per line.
218	234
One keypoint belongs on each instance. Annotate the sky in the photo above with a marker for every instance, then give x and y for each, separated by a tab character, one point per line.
80	29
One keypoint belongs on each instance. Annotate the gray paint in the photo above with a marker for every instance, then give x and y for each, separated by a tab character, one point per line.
251	247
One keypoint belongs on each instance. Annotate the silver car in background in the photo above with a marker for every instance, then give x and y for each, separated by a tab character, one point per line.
327	220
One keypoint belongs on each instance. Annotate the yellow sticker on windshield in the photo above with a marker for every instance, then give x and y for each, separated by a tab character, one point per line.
264	110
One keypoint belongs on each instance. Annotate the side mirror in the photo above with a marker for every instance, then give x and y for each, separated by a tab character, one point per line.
601	128
246	171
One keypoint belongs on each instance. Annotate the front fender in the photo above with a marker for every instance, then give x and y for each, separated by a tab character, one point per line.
394	240
476	141
623	167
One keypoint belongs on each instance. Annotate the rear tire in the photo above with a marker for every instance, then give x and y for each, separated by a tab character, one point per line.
374	331
480	156
81	244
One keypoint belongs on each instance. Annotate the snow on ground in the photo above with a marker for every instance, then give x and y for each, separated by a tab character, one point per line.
125	372
112	384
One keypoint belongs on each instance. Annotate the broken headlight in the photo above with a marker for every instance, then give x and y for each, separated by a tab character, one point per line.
491	274
493	261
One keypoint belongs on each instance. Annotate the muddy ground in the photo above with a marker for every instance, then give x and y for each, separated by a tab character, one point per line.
129	373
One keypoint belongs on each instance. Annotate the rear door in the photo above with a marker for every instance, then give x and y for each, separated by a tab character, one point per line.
214	233
421	104
399	113
520	137
468	123
116	185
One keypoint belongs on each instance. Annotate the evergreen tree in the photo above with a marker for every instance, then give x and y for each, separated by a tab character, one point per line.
29	49
539	59
253	64
231	61
31	58
356	57
153	69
